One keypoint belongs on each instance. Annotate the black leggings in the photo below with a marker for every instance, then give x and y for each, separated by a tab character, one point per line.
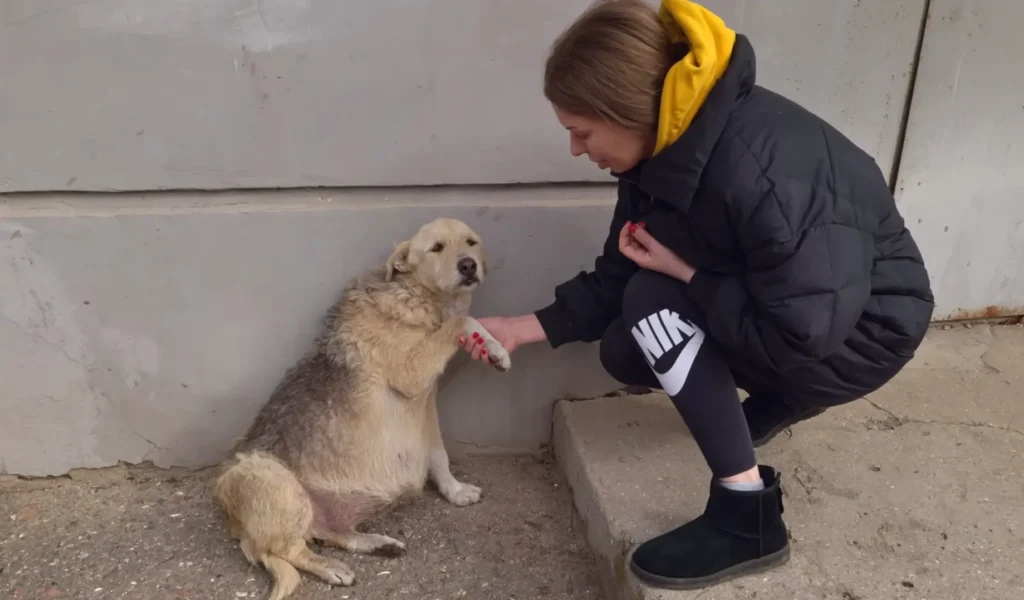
660	342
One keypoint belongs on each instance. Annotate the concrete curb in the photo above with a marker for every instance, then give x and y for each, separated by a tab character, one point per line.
599	444
611	566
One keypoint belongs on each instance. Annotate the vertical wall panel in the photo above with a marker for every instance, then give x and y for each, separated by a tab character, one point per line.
961	180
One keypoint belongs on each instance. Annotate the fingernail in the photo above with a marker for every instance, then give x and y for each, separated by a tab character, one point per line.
475	335
483	353
632	228
641	224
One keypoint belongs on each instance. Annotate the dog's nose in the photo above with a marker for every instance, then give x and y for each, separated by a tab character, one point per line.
467	266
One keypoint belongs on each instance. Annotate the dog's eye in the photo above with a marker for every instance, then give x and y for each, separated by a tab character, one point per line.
438	247
471	242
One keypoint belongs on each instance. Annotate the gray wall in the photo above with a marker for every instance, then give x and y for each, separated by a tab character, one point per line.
961	179
150	326
213	94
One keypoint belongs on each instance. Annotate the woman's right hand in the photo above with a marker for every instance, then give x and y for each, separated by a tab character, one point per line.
511	332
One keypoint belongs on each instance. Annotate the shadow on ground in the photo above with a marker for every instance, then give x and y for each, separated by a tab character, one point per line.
153	535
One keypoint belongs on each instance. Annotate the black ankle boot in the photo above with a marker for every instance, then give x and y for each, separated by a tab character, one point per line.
740	533
767	416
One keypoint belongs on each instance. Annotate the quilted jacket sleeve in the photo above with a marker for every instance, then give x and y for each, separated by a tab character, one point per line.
586	304
802	294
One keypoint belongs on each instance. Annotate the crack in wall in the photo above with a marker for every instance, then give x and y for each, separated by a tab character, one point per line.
915	63
149	441
56	345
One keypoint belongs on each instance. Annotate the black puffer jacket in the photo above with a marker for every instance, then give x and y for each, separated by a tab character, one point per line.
805	269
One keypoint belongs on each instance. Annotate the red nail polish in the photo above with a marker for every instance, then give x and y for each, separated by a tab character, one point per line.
483	353
475	335
632	228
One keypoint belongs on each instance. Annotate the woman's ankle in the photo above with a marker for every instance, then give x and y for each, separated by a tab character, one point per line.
749	480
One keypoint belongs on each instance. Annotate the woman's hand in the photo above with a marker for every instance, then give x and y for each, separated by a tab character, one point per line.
639	246
511	332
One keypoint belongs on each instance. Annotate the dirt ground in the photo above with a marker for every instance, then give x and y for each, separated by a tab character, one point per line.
154	535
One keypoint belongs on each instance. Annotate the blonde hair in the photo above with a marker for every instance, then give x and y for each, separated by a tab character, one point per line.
611	64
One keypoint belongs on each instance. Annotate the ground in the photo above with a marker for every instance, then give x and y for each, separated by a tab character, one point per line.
153	535
912	493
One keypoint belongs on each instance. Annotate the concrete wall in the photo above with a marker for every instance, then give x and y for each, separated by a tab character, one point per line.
961	179
150	326
153	331
213	94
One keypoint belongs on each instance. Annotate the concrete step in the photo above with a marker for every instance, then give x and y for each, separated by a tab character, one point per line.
911	493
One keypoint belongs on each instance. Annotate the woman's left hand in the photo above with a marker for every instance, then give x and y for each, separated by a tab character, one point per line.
639	246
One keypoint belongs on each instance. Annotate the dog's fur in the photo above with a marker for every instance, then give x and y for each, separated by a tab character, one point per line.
352	428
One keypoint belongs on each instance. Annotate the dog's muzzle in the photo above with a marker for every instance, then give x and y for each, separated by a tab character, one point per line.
467	269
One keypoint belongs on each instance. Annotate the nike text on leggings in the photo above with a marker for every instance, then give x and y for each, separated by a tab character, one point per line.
661	342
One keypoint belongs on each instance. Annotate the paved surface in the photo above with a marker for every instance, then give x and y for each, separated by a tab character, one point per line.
152	535
914	493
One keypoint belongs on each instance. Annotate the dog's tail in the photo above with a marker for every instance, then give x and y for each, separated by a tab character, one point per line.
269	512
286	577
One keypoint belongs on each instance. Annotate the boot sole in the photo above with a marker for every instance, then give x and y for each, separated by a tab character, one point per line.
807	414
751	567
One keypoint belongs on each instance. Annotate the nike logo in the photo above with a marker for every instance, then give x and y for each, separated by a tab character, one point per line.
660	333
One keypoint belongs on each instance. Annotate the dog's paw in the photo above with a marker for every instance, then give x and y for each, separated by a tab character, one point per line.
390	549
462	494
496	353
498	356
338	573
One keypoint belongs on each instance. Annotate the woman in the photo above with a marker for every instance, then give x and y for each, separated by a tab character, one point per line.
724	265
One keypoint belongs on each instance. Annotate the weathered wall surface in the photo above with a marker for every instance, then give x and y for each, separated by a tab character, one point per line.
153	331
143	326
961	181
204	94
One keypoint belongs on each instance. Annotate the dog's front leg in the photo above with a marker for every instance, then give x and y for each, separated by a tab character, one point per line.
453	490
416	364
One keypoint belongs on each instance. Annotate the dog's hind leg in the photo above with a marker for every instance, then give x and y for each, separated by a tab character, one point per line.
270	513
336	518
331	570
363	543
286	577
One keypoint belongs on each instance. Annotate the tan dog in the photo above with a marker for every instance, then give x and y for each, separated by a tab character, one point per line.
353	427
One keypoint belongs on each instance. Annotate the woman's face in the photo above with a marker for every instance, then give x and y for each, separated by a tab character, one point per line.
609	145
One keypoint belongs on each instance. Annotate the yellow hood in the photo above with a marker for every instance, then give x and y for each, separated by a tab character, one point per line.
689	80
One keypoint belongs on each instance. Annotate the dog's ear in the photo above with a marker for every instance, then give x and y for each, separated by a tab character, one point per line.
398	261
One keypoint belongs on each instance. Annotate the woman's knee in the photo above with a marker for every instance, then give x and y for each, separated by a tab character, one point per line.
639	288
617	353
